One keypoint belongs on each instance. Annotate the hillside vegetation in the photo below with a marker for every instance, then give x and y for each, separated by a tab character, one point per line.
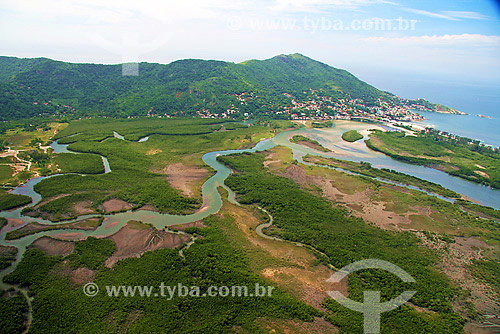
32	87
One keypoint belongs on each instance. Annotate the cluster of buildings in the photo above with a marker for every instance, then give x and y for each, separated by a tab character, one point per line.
311	105
58	109
318	106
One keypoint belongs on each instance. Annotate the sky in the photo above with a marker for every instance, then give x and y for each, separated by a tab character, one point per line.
385	42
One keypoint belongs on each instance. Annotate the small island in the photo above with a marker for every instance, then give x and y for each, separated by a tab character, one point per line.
352	136
322	125
308	142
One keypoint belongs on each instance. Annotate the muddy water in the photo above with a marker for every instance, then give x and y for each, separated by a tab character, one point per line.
331	138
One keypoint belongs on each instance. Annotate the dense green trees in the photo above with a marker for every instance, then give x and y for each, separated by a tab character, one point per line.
84	163
60	306
299	139
41	87
303	217
138	168
10	201
7	255
12	313
91	253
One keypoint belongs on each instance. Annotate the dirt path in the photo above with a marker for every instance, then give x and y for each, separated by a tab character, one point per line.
19	166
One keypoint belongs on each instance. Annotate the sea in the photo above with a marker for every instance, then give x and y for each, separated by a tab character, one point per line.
471	98
470	126
474	100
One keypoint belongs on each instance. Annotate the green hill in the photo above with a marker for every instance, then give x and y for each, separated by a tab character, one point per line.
41	86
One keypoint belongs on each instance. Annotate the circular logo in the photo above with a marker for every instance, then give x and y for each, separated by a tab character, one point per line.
371	308
90	289
235	23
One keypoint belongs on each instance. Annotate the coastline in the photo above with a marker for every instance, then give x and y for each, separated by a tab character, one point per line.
357	152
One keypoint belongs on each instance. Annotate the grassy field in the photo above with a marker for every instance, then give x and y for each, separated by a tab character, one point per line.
24	139
465	235
84	163
19	138
139	169
386	174
6	172
328	210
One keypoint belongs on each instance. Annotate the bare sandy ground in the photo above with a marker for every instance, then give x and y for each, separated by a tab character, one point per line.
483	174
79	276
153	151
149	207
43	148
133	241
187	179
18	164
300	272
82	275
53	246
8	153
85	224
69	236
459	256
115	205
318	326
360	202
183	227
83	208
12	224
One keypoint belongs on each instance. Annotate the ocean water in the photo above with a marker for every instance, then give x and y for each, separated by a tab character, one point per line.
470	126
471	98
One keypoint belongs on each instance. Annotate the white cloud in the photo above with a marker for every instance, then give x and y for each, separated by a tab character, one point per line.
316	5
449	15
463	40
114	11
162	31
466	15
431	14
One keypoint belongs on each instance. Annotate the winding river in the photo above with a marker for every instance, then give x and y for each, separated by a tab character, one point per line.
212	202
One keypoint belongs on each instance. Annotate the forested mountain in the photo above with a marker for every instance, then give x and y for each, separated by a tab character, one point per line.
41	86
